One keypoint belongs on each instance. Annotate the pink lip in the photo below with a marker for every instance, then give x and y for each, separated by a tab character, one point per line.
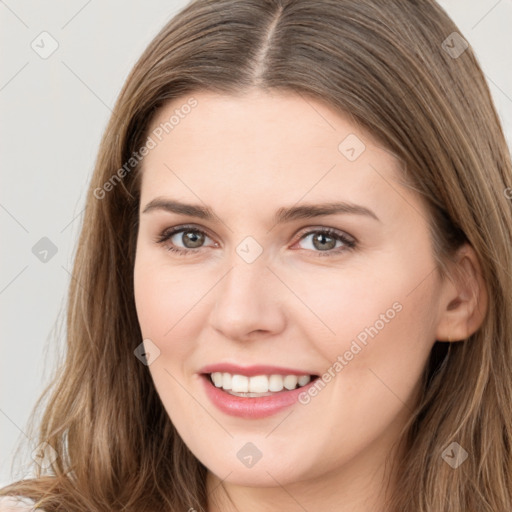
252	408
251	371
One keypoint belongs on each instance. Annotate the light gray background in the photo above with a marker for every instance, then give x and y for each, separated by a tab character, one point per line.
53	113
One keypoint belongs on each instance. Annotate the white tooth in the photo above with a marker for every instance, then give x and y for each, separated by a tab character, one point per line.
303	380
217	379
258	384
240	384
275	383
226	380
290	381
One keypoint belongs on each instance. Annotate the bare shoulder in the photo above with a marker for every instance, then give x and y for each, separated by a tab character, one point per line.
17	504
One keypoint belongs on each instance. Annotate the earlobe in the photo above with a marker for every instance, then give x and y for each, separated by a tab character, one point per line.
463	297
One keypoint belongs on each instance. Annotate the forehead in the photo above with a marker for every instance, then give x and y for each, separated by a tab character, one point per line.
257	119
275	146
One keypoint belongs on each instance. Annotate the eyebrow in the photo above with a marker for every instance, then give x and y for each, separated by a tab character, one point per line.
282	215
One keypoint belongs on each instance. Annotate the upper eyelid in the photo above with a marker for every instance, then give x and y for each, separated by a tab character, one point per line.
168	232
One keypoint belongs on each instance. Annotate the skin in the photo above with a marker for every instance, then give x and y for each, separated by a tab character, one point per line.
245	157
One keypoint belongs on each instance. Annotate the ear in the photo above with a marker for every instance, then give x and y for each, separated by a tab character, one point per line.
464	298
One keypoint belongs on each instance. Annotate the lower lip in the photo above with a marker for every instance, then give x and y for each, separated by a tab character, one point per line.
253	408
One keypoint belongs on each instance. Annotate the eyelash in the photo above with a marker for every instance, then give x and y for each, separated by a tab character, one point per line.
349	243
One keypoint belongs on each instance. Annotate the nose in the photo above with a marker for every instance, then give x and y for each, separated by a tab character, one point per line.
249	300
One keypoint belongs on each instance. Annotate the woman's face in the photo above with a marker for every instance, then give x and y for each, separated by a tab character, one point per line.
260	282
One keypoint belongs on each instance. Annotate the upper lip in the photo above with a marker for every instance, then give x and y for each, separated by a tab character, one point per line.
252	370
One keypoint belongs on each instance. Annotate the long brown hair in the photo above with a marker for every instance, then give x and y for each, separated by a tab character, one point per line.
392	67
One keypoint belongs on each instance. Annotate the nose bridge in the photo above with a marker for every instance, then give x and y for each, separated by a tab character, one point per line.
247	300
248	271
246	286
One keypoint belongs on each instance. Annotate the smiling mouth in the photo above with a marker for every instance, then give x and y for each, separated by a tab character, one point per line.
258	385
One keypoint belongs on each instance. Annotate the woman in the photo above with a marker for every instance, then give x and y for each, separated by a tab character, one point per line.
292	287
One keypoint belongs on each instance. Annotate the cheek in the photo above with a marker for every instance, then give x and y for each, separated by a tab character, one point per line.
374	326
389	301
163	295
164	298
384	334
172	304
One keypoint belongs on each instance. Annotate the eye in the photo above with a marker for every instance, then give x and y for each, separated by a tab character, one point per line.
324	240
191	237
